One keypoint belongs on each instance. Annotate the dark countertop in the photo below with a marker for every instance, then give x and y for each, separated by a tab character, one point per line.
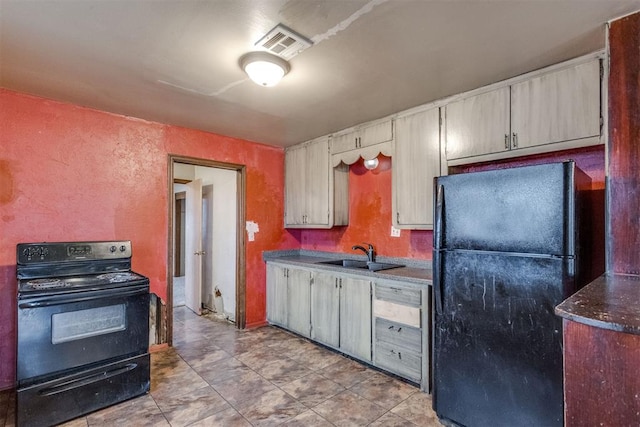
415	271
612	301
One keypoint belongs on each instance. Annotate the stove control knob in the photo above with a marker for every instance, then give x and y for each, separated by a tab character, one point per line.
112	249
123	248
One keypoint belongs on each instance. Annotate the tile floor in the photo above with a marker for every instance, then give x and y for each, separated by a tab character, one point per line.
217	375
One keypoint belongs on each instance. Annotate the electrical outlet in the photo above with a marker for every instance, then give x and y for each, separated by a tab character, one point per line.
395	232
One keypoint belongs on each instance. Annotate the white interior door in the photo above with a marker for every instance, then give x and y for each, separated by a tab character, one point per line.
193	246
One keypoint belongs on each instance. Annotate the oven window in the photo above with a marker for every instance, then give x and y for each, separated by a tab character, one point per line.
77	325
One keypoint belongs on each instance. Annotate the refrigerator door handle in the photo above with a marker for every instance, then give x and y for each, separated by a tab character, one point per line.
438	237
438	219
437	281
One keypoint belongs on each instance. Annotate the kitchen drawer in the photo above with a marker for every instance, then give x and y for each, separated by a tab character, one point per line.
397	294
395	359
399	335
397	312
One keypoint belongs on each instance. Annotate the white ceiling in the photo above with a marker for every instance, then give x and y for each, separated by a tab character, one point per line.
176	61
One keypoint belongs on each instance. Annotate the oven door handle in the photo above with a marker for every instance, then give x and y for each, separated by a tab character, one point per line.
69	299
79	382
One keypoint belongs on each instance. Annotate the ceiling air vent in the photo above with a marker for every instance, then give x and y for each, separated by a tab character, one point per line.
284	42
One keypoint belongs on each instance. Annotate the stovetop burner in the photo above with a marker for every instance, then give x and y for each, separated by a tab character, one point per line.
48	283
118	277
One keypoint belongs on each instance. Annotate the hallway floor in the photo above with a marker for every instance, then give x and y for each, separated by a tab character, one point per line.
217	375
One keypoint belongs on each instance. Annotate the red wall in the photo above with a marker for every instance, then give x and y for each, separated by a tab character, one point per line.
72	173
369	219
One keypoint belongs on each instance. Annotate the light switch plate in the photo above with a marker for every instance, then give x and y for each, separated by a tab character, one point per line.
395	232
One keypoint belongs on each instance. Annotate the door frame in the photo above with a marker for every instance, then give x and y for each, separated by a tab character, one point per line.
240	242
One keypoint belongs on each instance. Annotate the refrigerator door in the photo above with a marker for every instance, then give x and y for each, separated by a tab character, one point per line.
497	344
524	210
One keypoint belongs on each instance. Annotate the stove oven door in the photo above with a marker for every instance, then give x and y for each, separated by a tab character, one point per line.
58	334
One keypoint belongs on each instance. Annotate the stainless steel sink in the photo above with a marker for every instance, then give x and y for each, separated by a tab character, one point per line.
363	265
351	263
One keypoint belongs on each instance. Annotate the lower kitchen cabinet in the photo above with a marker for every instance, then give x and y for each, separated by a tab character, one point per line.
325	316
341	313
381	322
277	295
289	298
299	301
355	317
401	325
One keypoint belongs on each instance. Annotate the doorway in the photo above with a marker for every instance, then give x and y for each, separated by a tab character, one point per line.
206	239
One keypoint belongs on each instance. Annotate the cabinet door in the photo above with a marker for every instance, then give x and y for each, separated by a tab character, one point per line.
376	134
317	180
299	301
559	106
345	141
277	294
355	317
325	309
478	125
294	185
416	162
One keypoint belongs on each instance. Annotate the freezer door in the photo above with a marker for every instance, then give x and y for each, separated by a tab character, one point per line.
497	354
526	210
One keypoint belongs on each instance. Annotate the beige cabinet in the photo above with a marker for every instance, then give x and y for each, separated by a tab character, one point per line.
558	106
289	298
314	189
341	313
478	124
416	162
401	330
362	136
527	116
355	317
277	294
325	313
299	301
379	321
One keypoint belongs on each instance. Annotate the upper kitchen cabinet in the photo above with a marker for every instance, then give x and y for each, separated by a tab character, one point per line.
548	110
366	141
416	162
478	124
362	136
555	107
316	194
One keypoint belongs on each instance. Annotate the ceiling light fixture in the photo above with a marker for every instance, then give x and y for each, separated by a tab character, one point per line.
371	164
264	68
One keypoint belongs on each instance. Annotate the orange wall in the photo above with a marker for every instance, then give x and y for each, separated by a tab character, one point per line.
370	217
72	173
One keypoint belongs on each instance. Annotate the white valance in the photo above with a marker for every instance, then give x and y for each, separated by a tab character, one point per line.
367	153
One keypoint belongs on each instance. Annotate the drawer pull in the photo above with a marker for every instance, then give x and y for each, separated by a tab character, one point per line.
399	354
391	328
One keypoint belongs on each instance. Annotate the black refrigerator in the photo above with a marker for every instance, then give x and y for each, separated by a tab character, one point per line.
507	249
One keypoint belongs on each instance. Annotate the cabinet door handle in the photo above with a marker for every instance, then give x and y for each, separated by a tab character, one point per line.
399	329
506	141
515	140
391	327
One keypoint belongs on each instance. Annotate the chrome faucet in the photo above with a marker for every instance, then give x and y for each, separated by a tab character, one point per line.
371	253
